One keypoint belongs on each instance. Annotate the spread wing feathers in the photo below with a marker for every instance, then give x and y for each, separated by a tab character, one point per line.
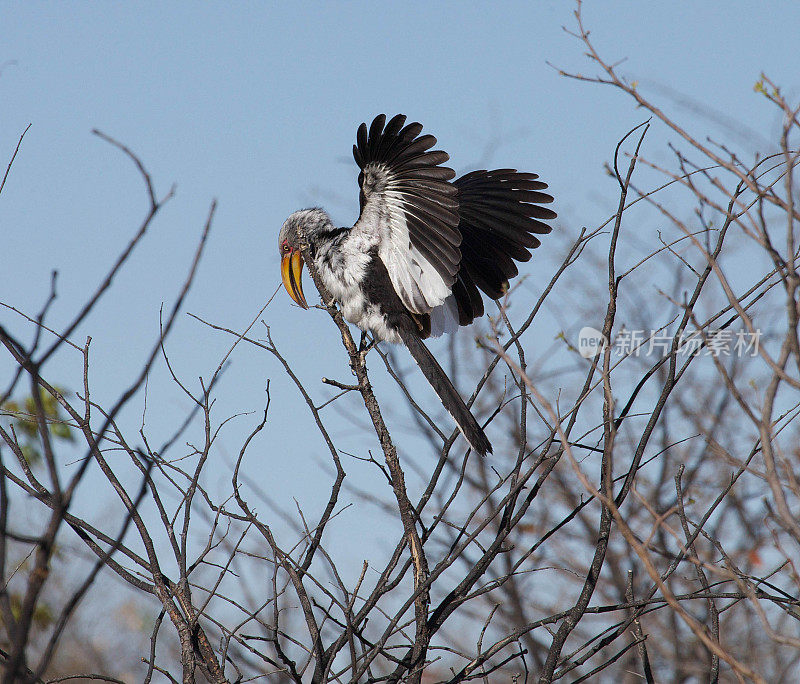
409	209
501	215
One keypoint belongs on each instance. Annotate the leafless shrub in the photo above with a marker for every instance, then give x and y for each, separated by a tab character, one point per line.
638	520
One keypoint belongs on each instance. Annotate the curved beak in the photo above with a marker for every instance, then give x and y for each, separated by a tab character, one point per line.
291	274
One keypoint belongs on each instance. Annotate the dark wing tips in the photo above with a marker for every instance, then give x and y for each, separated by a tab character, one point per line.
374	137
408	165
361	137
501	215
395	124
360	148
390	134
394	143
410	132
468	300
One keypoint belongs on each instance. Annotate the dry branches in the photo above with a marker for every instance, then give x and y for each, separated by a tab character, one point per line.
638	520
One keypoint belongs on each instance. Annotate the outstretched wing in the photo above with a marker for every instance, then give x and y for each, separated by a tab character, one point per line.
501	215
409	209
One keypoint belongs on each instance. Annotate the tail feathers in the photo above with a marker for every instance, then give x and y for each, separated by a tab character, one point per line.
448	394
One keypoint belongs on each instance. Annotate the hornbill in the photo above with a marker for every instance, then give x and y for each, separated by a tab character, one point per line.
422	248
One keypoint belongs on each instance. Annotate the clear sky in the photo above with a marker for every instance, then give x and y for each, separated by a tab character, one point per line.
257	104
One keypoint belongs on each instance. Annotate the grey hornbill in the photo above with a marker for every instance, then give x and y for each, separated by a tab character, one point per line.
423	246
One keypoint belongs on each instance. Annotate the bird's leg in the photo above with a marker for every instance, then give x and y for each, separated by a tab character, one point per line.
365	345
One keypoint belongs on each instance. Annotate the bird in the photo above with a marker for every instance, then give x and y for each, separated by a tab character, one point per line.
424	247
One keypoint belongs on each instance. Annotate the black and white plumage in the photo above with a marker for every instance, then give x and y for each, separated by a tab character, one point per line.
423	248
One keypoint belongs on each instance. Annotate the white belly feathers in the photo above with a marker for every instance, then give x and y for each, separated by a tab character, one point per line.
343	267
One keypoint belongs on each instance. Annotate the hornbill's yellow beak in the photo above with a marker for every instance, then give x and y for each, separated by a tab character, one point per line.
291	274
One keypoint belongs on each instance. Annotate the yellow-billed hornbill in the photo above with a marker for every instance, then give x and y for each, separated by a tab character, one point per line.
422	247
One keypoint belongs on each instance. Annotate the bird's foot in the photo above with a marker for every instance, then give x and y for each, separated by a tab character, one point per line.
365	344
364	349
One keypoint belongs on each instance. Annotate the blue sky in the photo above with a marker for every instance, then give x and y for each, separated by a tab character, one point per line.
256	105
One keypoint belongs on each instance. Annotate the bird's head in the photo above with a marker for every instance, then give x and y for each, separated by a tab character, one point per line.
307	225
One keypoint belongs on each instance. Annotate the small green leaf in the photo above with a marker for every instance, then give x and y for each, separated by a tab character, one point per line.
31	454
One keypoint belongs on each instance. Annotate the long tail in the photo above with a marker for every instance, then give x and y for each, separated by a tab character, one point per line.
451	399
